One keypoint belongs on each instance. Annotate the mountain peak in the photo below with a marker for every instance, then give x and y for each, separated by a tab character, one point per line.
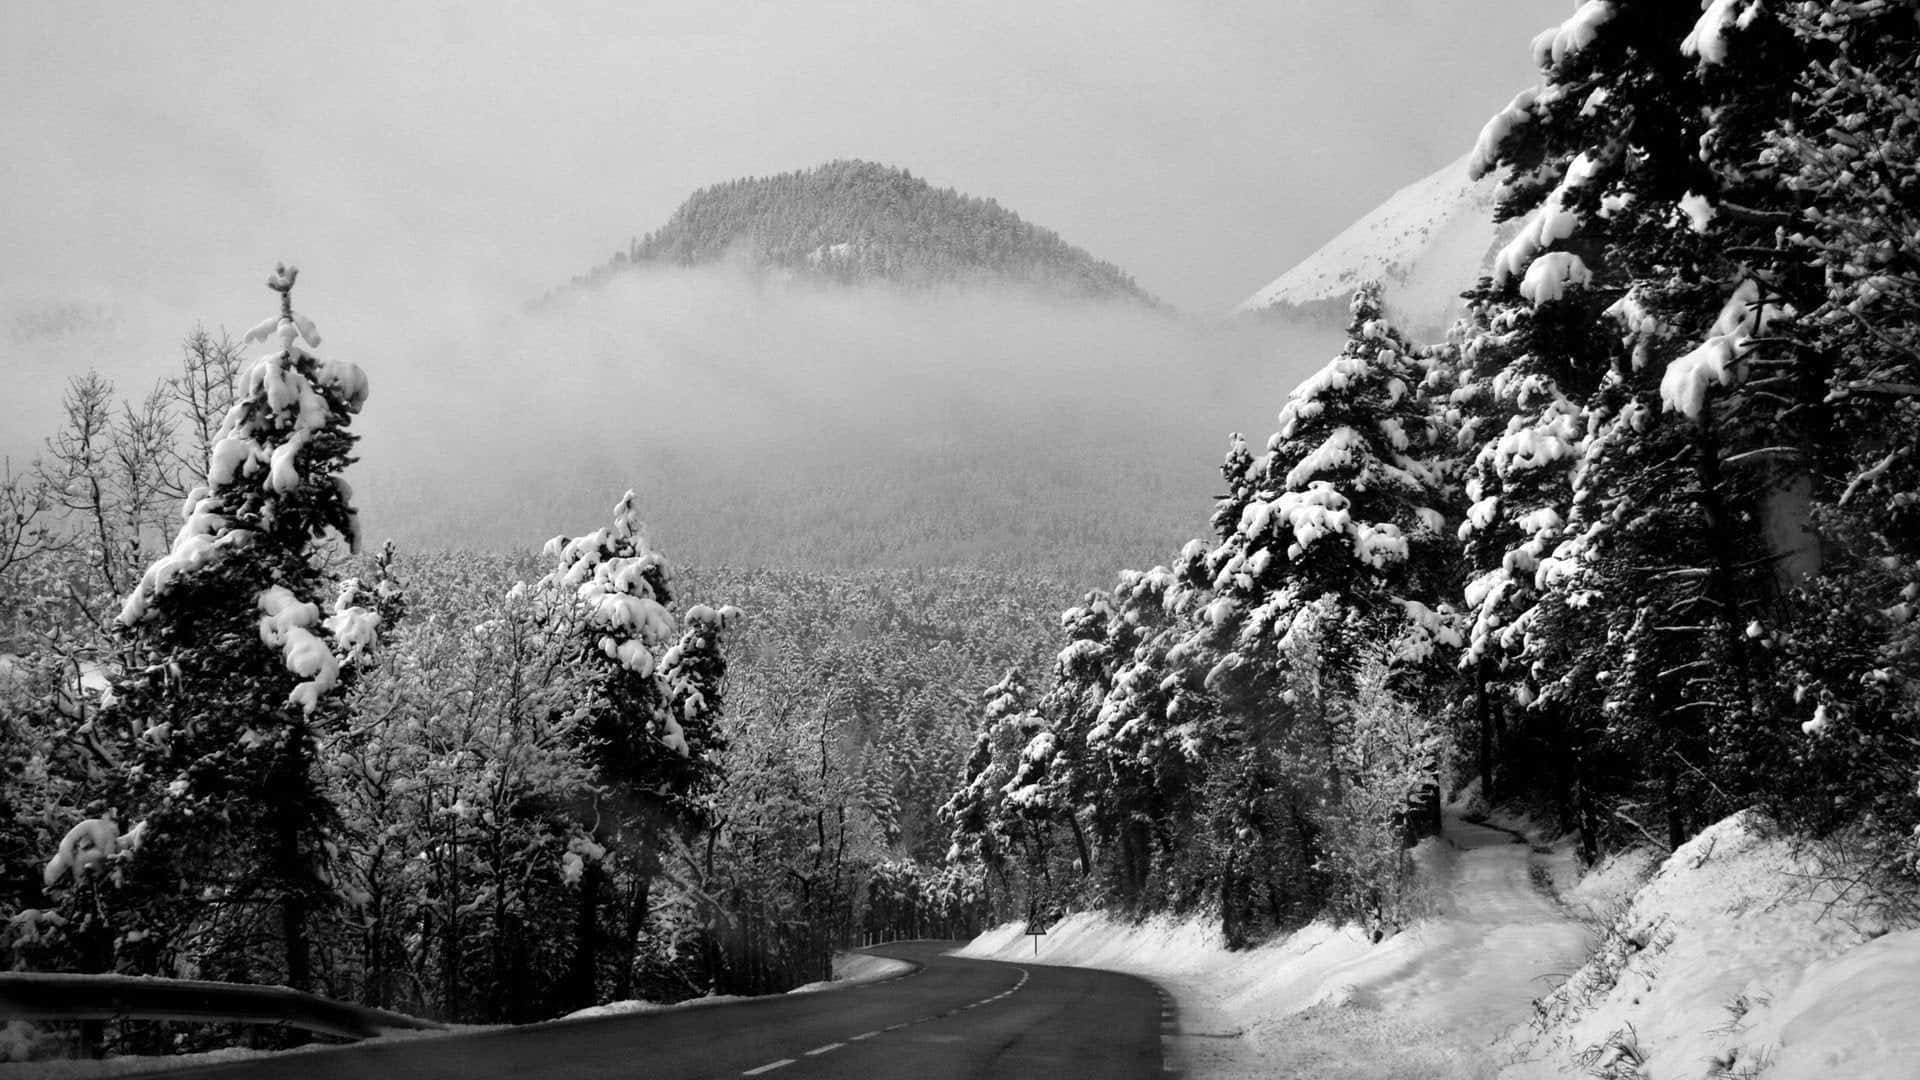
851	220
1426	244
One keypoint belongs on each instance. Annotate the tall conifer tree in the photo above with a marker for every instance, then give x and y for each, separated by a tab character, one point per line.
220	734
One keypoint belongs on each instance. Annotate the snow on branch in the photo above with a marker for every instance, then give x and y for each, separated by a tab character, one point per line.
287	625
1715	361
1708	40
1555	44
1550	275
1551	222
91	844
1486	148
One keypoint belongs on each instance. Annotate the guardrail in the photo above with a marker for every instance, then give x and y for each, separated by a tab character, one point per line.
50	996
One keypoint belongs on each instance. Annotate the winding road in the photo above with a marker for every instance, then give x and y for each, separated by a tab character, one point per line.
949	1018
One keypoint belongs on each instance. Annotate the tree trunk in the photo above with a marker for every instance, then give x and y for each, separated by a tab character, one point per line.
638	908
1080	843
581	978
1483	712
289	783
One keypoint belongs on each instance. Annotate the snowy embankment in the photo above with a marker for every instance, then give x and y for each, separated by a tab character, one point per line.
848	969
1740	958
1733	960
1327	1003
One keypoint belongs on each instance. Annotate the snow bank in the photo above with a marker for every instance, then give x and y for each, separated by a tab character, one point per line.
634	1006
1324	1001
865	967
1735	959
848	969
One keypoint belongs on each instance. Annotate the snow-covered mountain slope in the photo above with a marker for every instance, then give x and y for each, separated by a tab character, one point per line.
1426	244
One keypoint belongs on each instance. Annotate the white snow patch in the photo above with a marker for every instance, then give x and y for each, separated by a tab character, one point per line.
1715	361
1708	39
851	968
1699	211
1550	275
87	845
1555	44
286	625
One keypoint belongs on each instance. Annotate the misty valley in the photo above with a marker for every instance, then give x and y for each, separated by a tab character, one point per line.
1491	650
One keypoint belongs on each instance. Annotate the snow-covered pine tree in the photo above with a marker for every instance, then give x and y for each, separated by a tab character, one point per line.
651	731
218	736
1344	504
1689	430
1843	175
1527	366
1053	780
975	814
1150	739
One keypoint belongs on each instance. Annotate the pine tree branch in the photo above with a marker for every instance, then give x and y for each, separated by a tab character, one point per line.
1642	830
1764	451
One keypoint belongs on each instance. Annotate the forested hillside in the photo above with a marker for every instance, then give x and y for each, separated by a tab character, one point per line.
1639	544
470	785
850	221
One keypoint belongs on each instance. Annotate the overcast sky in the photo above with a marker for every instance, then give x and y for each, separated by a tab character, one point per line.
405	152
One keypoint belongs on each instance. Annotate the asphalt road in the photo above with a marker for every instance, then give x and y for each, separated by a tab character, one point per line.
949	1019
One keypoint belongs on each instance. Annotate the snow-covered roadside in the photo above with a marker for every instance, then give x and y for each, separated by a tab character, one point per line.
1732	958
857	967
1737	959
848	969
1325	1002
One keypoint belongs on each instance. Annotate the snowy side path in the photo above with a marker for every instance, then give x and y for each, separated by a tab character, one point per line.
1324	1002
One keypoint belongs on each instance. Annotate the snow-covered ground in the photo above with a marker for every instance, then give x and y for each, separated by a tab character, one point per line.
1325	1002
856	967
1741	959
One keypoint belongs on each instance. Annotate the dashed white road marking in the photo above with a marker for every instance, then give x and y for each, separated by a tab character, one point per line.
863	1036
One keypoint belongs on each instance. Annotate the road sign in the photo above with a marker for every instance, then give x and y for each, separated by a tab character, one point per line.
1036	932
